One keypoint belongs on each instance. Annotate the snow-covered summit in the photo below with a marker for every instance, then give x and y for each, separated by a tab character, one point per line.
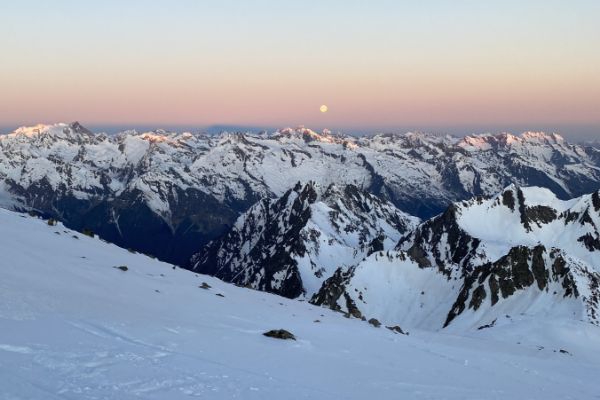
542	137
308	135
507	141
43	134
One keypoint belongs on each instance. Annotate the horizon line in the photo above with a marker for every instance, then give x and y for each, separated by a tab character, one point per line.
454	130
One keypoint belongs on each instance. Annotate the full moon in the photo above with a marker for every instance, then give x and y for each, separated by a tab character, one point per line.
323	108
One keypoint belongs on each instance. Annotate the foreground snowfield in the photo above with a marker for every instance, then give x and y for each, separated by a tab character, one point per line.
74	327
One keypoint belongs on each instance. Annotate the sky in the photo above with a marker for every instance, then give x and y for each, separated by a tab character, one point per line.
446	65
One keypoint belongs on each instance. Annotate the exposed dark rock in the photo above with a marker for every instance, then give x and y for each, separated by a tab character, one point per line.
376	245
374	322
428	238
280	334
561	273
596	200
351	307
270	241
591	243
486	326
494	289
479	295
538	267
540	214
332	289
522	209
508	199
397	329
518	270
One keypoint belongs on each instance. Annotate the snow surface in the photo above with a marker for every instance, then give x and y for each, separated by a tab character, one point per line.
394	289
74	327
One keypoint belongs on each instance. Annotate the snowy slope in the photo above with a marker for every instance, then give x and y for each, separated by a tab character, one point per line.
291	244
521	252
75	327
151	191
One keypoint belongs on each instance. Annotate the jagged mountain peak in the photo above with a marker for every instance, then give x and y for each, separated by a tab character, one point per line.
160	136
542	137
505	140
487	141
30	131
486	227
59	130
413	139
77	127
290	244
515	197
308	135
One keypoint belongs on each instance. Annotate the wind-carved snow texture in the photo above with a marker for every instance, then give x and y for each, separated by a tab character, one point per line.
290	245
75	326
168	194
523	251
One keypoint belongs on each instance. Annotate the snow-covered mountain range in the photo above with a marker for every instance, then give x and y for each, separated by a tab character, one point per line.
319	216
168	194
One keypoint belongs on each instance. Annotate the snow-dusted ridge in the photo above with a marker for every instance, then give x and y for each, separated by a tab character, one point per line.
75	326
522	251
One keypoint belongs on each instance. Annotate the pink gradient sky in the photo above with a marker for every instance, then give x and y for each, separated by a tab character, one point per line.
377	64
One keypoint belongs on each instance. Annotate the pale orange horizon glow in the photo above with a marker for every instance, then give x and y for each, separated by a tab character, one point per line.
375	66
